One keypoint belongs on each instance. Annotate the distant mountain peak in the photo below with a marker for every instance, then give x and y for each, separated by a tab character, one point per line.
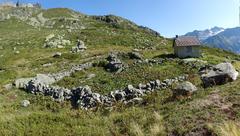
205	34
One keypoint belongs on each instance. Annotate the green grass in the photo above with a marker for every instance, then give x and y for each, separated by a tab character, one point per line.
157	115
57	12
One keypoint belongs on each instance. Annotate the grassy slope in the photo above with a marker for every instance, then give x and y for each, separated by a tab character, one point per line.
157	115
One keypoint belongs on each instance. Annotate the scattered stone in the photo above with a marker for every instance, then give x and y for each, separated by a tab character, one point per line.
218	75
57	54
25	103
184	89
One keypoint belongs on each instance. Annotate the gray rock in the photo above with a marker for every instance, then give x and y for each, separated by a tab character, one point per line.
57	54
119	96
22	82
158	83
44	79
142	86
130	87
184	89
25	103
219	74
81	45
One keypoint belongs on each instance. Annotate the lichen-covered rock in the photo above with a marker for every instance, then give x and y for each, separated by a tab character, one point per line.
184	89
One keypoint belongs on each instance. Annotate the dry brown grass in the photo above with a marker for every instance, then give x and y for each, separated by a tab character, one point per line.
230	129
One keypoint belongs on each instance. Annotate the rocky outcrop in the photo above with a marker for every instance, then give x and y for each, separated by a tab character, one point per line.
218	75
184	89
58	41
114	64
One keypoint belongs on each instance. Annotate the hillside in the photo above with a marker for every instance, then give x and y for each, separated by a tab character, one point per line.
36	41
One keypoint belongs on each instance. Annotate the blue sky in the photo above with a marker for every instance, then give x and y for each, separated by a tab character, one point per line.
169	17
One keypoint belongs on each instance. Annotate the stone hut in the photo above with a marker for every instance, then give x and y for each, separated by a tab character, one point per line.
186	46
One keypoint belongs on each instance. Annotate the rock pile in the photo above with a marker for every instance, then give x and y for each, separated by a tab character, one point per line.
114	64
83	97
80	47
58	41
218	75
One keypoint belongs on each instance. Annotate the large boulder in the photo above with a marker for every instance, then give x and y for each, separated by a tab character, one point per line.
219	74
184	89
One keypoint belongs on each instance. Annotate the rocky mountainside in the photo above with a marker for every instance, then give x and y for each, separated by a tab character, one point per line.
205	34
66	73
227	40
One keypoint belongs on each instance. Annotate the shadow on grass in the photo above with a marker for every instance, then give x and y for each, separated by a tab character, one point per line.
166	56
